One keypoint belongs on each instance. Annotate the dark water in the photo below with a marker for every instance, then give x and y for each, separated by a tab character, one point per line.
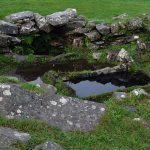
33	71
105	83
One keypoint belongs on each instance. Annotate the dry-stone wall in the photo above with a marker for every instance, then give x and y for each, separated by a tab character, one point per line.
74	29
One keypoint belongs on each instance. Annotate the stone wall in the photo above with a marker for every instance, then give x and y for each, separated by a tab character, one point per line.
75	30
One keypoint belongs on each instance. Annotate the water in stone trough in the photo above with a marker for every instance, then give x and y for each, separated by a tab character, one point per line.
87	86
105	83
33	71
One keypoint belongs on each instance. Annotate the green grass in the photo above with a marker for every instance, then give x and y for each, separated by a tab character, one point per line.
92	9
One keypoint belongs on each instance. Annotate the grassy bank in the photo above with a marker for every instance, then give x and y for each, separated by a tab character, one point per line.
92	9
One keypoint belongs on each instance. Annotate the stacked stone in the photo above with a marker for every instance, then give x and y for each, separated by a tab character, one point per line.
76	30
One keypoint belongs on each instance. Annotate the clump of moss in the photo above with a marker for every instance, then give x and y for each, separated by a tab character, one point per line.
54	78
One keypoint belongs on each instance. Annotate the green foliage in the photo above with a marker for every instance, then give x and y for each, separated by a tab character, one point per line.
30	59
54	78
7	79
31	87
7	64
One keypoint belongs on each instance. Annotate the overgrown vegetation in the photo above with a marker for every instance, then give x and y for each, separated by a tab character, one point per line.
7	64
54	78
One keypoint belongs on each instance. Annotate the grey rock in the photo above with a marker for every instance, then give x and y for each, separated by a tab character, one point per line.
96	55
78	42
120	95
93	36
79	31
123	56
61	18
48	146
135	24
93	46
19	58
123	16
130	108
66	113
20	16
50	89
28	28
91	25
110	70
10	136
103	29
78	22
42	23
112	55
117	29
8	28
138	92
6	40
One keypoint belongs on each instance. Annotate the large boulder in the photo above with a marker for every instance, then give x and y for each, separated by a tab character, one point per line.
48	146
66	113
20	17
42	23
103	29
8	28
61	18
93	36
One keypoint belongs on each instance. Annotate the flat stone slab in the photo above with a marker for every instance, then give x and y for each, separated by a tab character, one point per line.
66	113
10	136
48	146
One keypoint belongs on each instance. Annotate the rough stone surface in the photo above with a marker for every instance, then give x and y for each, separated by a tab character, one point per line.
78	42
93	46
6	40
8	28
61	18
120	95
66	113
117	29
110	70
112	55
103	29
121	17
78	22
10	136
123	56
47	87
93	36
42	23
28	28
138	92
20	17
48	146
96	55
135	24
